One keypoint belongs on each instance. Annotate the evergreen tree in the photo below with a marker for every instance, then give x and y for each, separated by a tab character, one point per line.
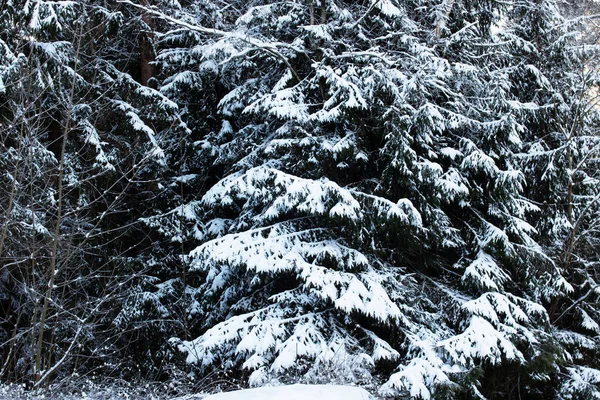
376	205
81	144
399	194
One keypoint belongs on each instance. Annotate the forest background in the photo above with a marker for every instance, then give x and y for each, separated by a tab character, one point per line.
398	194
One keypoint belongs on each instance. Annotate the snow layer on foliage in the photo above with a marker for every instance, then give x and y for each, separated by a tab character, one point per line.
484	273
296	392
574	339
56	51
582	382
320	31
425	371
480	341
139	125
330	277
278	336
497	321
285	193
347	95
382	349
403	210
453	185
93	138
506	308
274	340
292	193
588	322
478	161
387	7
272	250
47	13
285	104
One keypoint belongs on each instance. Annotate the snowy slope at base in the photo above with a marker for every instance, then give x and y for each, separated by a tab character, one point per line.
296	392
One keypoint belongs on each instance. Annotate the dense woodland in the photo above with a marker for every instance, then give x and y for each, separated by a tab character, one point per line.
398	194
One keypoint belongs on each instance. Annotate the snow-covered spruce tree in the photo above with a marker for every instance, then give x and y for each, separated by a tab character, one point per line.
561	164
81	143
372	219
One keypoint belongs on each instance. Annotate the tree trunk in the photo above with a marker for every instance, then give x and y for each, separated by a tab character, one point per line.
147	50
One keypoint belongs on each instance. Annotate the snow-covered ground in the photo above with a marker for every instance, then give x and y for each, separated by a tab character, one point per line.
296	392
98	392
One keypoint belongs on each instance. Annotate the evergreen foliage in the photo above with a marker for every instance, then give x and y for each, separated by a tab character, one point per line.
398	194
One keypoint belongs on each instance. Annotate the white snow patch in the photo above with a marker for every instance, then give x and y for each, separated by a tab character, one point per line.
387	8
296	392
